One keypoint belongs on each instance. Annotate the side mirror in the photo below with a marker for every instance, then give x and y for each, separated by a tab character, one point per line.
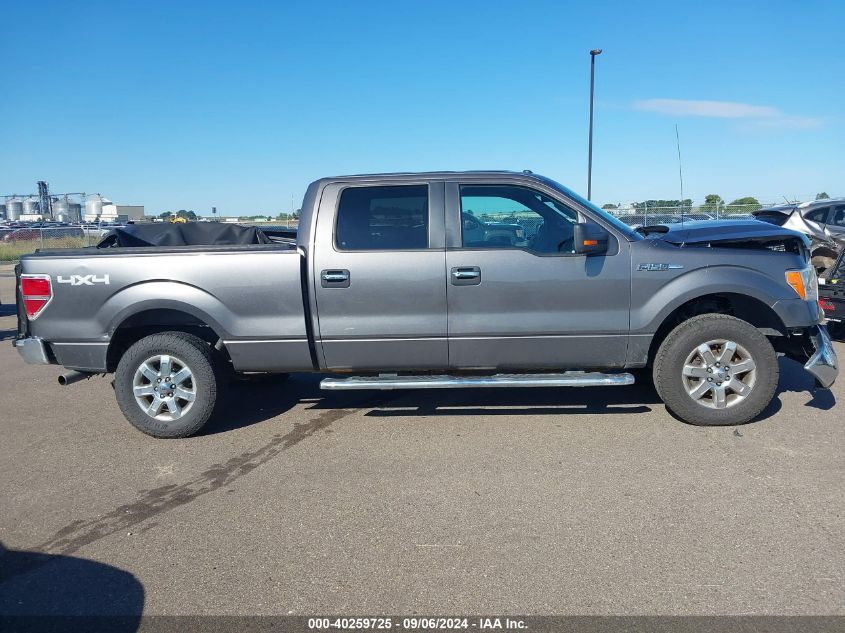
590	239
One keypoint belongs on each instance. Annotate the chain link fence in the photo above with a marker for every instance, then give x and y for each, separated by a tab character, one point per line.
645	215
15	242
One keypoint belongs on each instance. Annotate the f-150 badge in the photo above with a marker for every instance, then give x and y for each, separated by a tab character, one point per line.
83	280
658	267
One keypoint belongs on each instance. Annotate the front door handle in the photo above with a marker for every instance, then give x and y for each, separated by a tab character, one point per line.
334	279
466	276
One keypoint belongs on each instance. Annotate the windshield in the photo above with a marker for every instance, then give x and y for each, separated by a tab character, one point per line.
616	222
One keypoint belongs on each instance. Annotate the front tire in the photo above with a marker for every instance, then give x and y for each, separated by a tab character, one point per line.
715	369
166	384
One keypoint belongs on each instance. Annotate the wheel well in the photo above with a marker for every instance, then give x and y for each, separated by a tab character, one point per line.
740	306
142	324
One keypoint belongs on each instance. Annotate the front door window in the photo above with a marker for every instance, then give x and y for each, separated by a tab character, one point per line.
505	216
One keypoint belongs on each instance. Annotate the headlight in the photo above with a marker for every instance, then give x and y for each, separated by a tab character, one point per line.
804	282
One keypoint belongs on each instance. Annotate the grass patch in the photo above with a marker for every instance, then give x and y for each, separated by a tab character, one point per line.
12	251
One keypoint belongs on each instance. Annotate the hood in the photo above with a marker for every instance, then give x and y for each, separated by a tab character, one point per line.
727	232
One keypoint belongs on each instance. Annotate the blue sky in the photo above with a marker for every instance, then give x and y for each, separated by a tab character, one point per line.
239	105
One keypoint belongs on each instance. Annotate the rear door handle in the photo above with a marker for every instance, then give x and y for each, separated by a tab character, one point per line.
466	276
334	279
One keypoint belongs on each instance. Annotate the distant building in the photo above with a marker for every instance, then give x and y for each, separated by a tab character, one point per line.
117	213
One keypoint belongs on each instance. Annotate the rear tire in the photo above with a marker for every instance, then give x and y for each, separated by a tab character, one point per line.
715	369
166	384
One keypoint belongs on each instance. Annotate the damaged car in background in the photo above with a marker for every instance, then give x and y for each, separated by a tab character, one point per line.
823	221
832	297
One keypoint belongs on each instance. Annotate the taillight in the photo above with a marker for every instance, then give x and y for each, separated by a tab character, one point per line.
36	293
826	305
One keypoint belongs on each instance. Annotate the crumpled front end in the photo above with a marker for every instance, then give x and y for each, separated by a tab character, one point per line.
823	364
813	348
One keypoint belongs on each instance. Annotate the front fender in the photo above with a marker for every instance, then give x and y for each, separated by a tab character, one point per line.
654	297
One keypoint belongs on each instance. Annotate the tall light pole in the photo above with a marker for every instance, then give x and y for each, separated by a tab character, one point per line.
593	53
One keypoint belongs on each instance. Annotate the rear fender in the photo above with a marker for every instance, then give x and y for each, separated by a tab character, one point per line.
170	295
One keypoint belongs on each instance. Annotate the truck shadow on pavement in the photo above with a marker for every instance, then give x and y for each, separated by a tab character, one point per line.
53	588
268	398
794	378
522	401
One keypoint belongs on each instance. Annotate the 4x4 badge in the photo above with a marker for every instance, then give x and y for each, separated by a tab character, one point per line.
83	280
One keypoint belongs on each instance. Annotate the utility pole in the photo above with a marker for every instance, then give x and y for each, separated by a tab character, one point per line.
593	53
680	171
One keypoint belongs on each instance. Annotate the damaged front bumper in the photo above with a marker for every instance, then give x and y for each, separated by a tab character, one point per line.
812	347
822	364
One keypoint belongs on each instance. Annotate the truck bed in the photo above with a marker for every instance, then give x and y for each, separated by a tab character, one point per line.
250	296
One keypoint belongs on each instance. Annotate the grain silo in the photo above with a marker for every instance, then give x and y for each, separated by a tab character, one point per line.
30	206
93	208
14	208
61	211
66	210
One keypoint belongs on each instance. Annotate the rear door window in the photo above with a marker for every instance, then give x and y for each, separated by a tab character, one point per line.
382	218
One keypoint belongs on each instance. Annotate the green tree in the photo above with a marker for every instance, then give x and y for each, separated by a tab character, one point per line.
744	205
188	215
165	215
822	196
713	203
663	206
610	205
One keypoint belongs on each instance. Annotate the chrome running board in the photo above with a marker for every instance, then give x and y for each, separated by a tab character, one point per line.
394	381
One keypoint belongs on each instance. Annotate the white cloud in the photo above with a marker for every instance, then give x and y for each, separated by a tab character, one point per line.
766	116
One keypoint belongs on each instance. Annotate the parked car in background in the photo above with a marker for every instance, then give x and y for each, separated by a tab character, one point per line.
636	220
832	296
483	233
823	221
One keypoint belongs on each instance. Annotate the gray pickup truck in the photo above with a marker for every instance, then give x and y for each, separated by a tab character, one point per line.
397	281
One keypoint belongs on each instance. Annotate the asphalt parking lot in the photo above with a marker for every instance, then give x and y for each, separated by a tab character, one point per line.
580	501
